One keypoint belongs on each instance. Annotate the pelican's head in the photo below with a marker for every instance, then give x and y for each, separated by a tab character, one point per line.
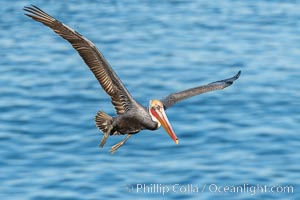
157	112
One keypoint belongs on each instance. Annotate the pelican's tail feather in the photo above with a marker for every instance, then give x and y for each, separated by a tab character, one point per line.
103	121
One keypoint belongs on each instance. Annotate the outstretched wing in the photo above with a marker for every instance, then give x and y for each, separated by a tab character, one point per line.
218	85
108	79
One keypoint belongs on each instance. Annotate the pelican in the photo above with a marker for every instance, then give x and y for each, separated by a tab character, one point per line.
131	116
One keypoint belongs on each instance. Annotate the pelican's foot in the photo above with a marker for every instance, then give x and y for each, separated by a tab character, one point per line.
105	136
117	146
103	140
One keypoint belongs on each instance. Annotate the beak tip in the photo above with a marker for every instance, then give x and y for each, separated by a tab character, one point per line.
176	141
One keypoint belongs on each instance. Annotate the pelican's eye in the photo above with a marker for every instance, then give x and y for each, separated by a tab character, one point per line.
156	107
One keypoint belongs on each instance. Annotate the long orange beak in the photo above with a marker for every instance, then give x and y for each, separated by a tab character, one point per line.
161	116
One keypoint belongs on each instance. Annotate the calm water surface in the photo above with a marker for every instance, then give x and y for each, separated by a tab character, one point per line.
246	136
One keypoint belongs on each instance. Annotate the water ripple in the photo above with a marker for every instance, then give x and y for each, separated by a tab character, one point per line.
245	134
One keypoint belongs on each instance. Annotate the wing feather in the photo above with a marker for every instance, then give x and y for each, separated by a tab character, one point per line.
108	79
179	96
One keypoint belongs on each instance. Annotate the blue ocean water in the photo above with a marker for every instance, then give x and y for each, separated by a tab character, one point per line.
239	143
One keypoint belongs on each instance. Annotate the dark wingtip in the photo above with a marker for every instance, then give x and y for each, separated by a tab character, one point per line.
28	7
231	80
238	74
31	8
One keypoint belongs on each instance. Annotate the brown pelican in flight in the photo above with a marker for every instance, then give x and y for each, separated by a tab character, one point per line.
131	116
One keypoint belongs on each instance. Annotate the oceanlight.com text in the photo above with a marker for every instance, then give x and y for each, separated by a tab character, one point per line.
163	189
